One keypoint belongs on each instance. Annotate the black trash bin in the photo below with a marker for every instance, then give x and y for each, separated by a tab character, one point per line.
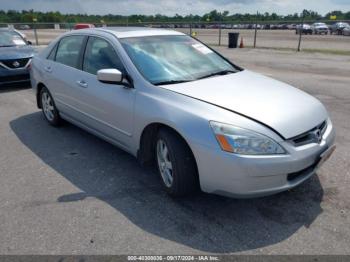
233	40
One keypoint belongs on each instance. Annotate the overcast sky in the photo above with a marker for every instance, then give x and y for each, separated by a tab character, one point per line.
171	7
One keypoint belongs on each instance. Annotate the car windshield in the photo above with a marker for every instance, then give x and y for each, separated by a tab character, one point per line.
10	38
174	59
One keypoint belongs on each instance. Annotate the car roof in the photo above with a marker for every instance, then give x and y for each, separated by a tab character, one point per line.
124	32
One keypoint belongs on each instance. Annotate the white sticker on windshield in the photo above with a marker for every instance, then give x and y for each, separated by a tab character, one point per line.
202	48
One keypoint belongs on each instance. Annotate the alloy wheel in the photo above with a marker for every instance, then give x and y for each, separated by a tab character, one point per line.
48	106
164	163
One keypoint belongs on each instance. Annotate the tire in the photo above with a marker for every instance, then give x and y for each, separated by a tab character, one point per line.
48	107
183	172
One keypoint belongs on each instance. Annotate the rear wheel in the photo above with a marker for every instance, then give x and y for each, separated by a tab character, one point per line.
49	108
176	164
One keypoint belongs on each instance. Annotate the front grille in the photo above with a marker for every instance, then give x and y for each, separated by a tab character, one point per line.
15	63
312	136
15	78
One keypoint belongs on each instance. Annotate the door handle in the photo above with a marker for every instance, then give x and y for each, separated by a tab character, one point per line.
48	69
82	83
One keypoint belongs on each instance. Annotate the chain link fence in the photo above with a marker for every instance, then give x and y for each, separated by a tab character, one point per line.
281	36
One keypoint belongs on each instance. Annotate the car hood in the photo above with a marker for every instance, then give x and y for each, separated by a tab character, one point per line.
16	52
287	110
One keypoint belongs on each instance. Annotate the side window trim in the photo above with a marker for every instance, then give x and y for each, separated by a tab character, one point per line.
82	52
53	51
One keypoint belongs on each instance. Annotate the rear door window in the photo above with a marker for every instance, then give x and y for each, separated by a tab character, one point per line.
68	51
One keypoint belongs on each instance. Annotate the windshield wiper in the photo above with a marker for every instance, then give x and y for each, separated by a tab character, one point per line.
219	73
7	45
171	82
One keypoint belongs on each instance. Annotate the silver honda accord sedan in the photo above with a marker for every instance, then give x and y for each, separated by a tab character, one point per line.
168	99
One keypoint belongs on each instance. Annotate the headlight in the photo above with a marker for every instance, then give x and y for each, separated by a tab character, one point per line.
242	141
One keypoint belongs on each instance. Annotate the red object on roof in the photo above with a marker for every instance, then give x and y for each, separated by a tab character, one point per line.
83	26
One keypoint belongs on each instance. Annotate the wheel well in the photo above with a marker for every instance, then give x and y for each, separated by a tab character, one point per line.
148	139
40	86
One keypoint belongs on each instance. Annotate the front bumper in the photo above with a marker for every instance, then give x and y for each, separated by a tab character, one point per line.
307	31
254	176
321	30
14	76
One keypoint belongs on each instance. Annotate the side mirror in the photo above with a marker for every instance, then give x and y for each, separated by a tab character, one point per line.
110	76
29	43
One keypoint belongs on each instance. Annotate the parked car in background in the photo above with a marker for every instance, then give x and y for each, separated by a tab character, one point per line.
257	26
346	31
83	26
15	57
284	26
168	99
24	27
337	28
319	28
304	29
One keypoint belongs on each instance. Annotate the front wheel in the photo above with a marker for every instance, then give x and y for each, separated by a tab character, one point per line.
175	163
49	108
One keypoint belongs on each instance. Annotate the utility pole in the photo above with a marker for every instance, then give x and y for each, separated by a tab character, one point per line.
301	31
35	31
220	20
220	34
256	28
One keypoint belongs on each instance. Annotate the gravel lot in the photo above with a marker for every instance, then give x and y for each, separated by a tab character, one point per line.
64	191
265	38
